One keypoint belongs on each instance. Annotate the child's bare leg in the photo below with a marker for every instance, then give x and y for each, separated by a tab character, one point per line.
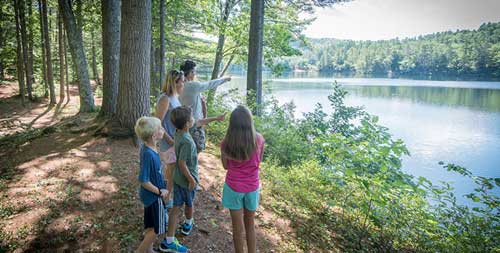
188	211
248	216
238	228
172	221
147	244
169	176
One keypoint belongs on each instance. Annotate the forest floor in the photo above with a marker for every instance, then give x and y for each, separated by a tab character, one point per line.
65	189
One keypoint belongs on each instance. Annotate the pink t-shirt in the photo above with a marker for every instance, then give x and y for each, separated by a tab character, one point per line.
243	176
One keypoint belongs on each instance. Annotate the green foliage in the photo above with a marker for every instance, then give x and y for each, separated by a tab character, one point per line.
475	53
338	178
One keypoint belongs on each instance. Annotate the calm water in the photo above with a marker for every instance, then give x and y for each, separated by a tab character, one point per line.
451	121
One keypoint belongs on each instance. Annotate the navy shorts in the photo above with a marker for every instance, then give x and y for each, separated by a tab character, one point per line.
154	217
183	196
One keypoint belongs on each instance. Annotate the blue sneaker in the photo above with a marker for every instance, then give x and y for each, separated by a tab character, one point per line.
186	228
175	246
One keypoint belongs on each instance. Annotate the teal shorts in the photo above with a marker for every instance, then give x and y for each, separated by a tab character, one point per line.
238	200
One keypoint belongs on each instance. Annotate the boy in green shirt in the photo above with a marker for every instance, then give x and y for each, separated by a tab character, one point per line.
185	177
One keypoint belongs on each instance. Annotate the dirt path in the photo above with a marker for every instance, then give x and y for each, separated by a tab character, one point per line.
70	191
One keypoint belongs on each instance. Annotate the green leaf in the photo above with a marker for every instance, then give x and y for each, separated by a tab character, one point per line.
497	181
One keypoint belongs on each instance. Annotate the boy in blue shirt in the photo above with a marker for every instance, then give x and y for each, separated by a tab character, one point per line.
153	187
185	178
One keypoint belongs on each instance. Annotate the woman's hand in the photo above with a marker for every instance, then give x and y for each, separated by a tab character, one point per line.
169	140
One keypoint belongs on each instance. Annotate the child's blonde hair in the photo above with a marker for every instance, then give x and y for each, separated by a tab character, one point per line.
145	127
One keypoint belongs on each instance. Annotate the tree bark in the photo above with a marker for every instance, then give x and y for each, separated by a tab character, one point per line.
42	45
1	46
95	71
172	47
222	38
218	56
76	48
20	69
30	45
220	47
50	77
78	13
24	40
110	55
135	43
254	73
66	64
162	42
61	56
226	67
79	23
152	61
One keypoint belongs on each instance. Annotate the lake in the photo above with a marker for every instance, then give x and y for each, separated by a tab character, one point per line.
450	121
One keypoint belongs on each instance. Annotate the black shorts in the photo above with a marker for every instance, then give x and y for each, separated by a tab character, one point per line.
154	217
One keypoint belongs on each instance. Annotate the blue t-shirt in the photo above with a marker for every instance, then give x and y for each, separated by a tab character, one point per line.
150	171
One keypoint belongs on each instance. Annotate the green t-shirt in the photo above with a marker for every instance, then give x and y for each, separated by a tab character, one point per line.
185	150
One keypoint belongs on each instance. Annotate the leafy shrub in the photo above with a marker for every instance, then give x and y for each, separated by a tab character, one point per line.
338	177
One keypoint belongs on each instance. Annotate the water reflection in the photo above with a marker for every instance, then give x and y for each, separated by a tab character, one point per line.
484	96
480	99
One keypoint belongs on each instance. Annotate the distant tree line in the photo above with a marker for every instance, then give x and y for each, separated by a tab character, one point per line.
464	52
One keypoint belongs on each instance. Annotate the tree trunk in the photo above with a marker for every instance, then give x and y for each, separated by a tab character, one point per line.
254	73
76	48
50	77
1	46
226	67
20	70
218	56
79	23
78	13
42	45
222	38
94	61
220	48
135	43
110	55
172	45
152	61
30	46
24	39
162	42
66	63
61	57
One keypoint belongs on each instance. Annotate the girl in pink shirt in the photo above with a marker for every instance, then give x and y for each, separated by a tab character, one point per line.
241	153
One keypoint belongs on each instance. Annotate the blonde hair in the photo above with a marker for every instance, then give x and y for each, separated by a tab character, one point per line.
170	87
240	139
145	127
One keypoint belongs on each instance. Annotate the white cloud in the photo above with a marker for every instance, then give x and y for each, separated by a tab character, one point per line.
386	19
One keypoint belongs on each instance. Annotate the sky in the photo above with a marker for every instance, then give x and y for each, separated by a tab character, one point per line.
387	19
